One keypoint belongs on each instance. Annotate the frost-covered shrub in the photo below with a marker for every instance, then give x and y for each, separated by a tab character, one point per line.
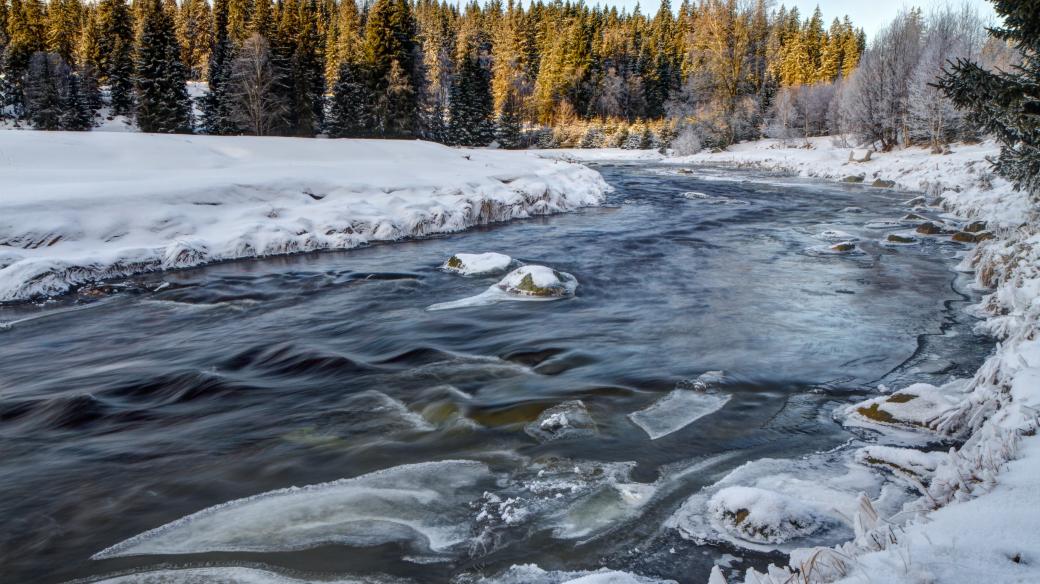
593	138
618	138
686	142
544	138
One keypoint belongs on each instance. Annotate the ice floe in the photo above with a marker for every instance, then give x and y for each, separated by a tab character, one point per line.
678	409
223	575
420	504
532	574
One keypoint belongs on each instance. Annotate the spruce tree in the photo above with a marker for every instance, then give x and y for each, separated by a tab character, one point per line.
307	74
163	105
349	107
508	130
470	109
120	76
218	104
77	113
112	53
1006	103
390	60
44	86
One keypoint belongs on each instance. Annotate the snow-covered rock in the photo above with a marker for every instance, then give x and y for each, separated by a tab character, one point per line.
532	283
477	264
538	281
79	207
763	516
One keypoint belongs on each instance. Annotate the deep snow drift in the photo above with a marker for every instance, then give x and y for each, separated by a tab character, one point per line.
78	207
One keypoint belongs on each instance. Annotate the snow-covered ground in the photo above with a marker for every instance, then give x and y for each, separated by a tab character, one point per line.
77	207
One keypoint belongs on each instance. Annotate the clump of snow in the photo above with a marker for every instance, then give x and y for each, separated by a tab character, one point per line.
763	516
537	283
477	264
79	207
918	407
675	411
421	504
836	235
564	420
713	200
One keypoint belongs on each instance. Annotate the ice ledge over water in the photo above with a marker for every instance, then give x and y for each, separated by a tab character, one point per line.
78	207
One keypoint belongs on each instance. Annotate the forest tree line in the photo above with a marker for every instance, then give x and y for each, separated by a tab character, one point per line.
404	68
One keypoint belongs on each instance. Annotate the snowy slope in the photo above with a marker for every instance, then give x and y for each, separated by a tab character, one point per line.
76	207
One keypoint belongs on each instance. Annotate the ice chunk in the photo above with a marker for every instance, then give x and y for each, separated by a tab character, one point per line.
216	575
712	199
422	504
563	420
675	411
524	283
477	264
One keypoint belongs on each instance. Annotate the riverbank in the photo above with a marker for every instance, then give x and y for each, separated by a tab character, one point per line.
81	207
979	504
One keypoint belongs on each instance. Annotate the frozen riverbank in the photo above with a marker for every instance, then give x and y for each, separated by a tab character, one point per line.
78	207
978	504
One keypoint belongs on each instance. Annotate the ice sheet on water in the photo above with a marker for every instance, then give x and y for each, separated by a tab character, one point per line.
421	504
532	574
675	411
223	575
574	499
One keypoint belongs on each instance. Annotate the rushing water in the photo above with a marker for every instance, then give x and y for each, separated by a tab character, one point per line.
123	414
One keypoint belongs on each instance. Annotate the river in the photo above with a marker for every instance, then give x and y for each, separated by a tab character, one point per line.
125	413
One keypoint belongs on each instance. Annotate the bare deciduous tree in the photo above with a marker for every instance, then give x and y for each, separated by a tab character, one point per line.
261	110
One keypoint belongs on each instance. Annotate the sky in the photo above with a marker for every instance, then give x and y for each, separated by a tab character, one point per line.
869	14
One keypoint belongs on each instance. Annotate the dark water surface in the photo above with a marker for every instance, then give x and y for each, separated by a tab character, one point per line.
241	378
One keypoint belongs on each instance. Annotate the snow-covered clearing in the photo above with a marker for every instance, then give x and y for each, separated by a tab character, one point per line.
78	207
975	518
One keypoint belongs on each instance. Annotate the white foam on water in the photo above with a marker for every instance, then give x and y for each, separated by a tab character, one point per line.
675	411
422	504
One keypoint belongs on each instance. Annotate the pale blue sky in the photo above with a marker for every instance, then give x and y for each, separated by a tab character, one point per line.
869	14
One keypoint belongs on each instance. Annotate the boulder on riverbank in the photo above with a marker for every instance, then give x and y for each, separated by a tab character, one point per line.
883	184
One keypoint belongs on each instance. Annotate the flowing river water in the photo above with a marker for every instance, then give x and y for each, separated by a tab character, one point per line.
123	414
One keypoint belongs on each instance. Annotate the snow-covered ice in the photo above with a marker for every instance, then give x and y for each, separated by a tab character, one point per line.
222	575
422	504
78	207
532	574
563	420
477	264
675	411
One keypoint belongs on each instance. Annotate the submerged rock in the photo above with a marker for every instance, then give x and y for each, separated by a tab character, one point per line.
914	202
975	227
900	239
883	184
845	246
854	178
930	228
477	264
564	420
965	237
852	210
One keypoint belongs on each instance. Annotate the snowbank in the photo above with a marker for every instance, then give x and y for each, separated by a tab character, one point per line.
979	504
78	207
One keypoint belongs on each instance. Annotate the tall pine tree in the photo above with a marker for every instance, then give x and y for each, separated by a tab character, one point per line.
471	107
218	115
163	105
